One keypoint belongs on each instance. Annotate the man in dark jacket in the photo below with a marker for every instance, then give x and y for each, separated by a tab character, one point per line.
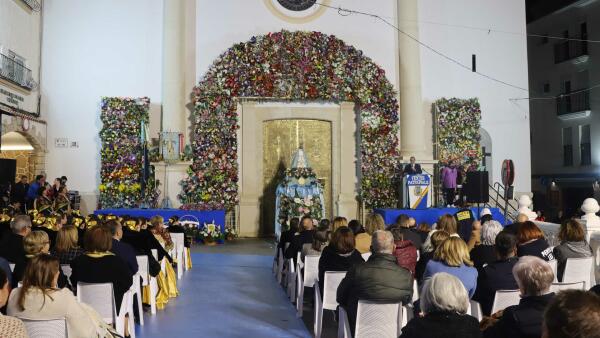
378	279
19	192
11	246
497	275
121	249
407	226
305	236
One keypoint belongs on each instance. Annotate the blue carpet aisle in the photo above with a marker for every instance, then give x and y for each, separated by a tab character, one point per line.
226	295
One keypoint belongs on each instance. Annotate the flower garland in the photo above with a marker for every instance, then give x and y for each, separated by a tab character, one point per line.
121	155
295	66
458	123
300	206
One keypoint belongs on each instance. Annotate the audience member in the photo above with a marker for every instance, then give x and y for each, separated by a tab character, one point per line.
497	275
320	241
174	226
287	235
532	242
452	256
409	232
67	248
141	243
444	303
534	277
325	224
339	222
485	252
34	189
356	227
305	236
380	278
485	215
19	192
48	225
99	265
406	253
373	223
423	230
446	223
9	326
34	244
157	228
572	314
154	235
41	298
339	255
464	221
11	247
121	249
5	266
514	227
436	240
572	245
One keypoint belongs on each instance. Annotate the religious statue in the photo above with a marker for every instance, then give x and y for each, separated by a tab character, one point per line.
300	193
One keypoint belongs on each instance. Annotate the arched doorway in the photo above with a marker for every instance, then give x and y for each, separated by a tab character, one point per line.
16	147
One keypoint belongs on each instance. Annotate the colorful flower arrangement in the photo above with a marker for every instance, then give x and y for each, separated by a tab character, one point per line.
297	206
230	233
294	66
122	151
458	123
211	233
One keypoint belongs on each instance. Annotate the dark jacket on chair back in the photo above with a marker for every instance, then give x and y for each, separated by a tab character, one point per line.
493	277
378	279
298	241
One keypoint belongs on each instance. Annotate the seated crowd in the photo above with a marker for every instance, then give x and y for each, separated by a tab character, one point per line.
453	270
94	249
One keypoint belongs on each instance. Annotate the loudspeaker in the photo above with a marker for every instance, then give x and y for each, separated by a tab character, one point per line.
8	171
477	187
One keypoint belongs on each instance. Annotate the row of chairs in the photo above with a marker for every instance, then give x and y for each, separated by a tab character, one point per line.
100	296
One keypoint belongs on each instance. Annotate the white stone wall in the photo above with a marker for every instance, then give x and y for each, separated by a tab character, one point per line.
20	33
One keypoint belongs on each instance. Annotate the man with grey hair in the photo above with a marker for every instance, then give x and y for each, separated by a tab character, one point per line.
534	277
378	279
485	253
11	246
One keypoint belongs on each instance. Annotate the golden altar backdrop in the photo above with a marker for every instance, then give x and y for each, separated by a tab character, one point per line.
281	138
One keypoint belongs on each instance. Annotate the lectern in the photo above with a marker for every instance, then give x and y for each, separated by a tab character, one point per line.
417	191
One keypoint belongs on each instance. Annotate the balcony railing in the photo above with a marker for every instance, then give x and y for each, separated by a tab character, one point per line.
33	4
569	50
15	72
573	103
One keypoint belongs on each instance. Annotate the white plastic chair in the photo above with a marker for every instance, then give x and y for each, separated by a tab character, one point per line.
554	265
136	291
306	279
147	279
46	328
162	263
179	247
475	310
366	256
580	269
279	266
415	295
100	296
331	282
374	319
66	269
291	280
556	287
504	299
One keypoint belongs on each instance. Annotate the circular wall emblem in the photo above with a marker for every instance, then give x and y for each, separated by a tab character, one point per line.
296	11
297	5
508	173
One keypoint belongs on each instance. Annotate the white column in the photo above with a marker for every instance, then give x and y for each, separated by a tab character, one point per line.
174	114
412	117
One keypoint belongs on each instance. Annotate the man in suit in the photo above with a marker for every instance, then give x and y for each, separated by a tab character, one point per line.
412	168
19	192
11	247
121	249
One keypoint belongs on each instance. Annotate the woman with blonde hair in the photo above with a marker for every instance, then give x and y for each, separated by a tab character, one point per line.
339	222
373	223
445	223
452	256
35	243
67	248
157	228
41	298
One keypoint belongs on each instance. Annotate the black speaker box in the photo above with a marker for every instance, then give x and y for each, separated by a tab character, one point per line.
477	187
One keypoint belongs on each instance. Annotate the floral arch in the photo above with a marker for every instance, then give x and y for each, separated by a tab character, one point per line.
295	66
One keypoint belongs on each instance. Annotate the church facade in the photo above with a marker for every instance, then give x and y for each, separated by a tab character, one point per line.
162	49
